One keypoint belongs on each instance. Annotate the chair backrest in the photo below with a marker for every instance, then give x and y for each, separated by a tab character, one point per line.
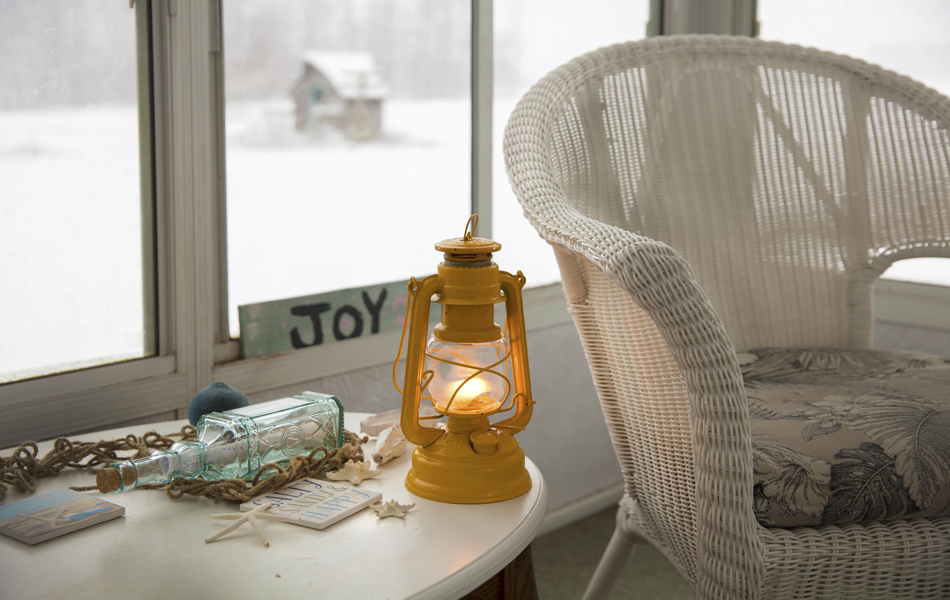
788	178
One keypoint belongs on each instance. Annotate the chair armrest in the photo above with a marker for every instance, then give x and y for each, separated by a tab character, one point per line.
660	281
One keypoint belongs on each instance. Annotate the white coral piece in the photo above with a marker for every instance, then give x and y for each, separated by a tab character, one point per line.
392	509
355	472
390	444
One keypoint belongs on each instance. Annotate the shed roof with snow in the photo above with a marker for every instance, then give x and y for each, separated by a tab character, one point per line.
353	74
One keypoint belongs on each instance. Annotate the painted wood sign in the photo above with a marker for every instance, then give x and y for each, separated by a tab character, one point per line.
293	323
314	503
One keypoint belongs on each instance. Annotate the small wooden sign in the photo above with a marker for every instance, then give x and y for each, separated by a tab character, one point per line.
314	503
282	325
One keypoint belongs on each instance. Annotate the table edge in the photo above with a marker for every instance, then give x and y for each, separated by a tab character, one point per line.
488	564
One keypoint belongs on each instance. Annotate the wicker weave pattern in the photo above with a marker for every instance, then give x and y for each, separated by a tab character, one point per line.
787	179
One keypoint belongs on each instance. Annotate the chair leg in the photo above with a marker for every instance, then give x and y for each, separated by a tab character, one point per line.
612	562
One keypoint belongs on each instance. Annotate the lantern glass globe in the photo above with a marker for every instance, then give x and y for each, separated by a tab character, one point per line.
476	375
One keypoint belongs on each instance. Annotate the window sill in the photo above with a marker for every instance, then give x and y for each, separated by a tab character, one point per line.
915	304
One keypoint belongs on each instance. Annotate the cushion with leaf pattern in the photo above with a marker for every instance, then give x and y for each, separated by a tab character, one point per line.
848	436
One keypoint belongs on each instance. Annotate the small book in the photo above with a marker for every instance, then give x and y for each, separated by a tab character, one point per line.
315	503
51	515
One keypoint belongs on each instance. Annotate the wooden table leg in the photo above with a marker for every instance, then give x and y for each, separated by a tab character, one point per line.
514	582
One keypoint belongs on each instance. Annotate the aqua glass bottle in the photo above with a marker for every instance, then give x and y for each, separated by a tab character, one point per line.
236	443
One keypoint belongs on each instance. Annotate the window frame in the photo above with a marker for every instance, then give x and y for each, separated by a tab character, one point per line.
544	306
186	159
88	398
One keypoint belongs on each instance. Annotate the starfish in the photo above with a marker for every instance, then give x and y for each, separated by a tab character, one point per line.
251	517
391	509
355	472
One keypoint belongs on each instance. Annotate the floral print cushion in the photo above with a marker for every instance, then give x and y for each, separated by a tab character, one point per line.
845	436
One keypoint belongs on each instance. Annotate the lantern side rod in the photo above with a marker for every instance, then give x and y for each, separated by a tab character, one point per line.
417	314
514	319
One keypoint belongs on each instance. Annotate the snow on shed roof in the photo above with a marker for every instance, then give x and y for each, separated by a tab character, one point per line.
353	74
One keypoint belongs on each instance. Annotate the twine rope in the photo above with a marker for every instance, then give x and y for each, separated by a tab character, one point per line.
23	468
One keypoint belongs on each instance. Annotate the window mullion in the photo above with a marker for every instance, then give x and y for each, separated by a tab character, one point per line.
143	41
725	17
160	166
221	223
193	185
482	92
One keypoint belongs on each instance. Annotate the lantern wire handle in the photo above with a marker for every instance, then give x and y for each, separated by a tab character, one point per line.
490	369
469	234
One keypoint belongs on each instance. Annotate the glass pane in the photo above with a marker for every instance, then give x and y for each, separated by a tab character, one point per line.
71	218
935	271
348	133
910	37
532	37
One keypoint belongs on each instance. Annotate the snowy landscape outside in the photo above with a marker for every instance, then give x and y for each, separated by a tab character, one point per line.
309	210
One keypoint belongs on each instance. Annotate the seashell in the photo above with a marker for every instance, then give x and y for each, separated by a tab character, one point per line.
373	426
390	444
377	423
391	509
355	472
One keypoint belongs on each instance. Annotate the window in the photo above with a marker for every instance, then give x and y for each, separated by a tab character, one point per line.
908	37
335	125
533	37
348	128
76	222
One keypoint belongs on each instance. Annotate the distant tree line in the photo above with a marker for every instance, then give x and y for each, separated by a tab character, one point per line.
56	53
422	47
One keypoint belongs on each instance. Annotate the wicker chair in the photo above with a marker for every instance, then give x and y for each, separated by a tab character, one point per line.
788	180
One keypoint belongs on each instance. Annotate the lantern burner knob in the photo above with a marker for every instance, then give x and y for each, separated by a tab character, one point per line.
484	442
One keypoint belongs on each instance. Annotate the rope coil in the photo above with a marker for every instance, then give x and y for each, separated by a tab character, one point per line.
22	468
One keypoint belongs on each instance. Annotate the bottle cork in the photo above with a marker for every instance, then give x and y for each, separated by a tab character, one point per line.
108	480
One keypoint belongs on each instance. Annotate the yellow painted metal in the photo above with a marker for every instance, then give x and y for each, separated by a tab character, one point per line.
468	248
418	317
467	298
514	307
468	460
450	469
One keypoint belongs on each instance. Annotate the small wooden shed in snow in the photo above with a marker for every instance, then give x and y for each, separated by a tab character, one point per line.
343	88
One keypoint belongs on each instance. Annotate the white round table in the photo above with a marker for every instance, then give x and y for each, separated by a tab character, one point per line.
157	550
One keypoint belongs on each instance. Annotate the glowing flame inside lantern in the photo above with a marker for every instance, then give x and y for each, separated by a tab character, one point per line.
468	378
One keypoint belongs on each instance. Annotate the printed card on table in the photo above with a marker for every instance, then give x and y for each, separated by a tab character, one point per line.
314	503
47	516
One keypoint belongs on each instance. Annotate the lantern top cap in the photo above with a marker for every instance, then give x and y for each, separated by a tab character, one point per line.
468	243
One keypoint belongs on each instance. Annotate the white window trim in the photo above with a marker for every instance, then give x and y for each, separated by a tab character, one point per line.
191	263
912	304
191	268
186	186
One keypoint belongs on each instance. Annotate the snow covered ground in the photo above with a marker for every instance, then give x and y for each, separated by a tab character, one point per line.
70	240
306	214
314	213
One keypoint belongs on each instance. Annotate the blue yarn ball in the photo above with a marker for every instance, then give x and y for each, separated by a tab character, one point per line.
217	397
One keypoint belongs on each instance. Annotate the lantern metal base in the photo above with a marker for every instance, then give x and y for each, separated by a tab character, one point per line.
450	470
